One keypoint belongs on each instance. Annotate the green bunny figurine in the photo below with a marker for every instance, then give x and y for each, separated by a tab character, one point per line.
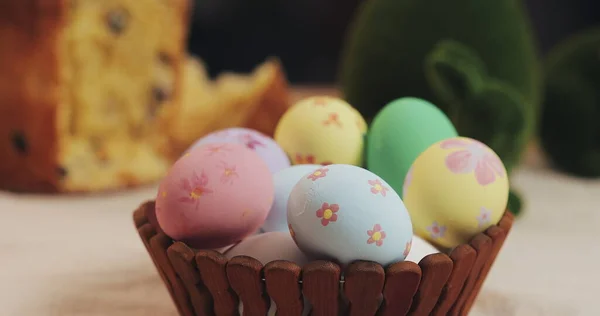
570	132
476	60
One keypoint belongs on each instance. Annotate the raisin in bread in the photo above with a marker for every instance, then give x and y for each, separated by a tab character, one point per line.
255	100
85	86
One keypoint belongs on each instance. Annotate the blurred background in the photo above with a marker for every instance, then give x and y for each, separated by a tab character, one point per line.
307	35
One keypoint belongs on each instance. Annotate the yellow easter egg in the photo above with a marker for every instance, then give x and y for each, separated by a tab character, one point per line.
455	189
322	130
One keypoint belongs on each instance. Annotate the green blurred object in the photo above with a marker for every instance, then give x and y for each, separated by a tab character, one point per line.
474	59
515	204
400	132
570	129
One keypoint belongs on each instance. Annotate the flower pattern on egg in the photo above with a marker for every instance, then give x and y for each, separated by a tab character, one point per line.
251	141
485	217
302	159
317	174
473	156
194	188
436	230
378	188
229	173
333	119
376	235
319	101
216	149
327	213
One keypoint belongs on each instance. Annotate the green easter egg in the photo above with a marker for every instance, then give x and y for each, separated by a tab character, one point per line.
399	133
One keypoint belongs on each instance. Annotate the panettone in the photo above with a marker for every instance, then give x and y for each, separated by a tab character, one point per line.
256	101
83	88
100	94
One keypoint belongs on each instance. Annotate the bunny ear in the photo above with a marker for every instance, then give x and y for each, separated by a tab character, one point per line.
498	116
454	71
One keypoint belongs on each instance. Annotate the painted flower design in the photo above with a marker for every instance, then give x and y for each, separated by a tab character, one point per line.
376	235
485	216
327	213
436	230
378	188
407	248
473	156
229	173
302	159
407	181
251	141
319	102
333	119
216	149
319	173
194	188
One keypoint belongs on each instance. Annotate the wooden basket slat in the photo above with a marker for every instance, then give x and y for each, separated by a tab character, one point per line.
401	284
483	246
245	277
463	257
159	244
182	259
146	232
436	269
321	285
282	280
363	287
212	267
206	283
498	235
139	216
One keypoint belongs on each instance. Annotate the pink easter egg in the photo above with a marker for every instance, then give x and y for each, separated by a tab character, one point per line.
215	195
262	144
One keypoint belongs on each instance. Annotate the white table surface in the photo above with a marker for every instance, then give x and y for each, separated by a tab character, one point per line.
82	256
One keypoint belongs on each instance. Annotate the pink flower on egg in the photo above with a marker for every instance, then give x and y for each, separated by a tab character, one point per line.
194	188
319	101
376	235
327	213
216	148
251	141
485	217
319	173
436	230
377	187
229	173
333	119
473	157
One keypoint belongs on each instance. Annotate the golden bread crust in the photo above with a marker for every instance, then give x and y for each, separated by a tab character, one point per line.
61	71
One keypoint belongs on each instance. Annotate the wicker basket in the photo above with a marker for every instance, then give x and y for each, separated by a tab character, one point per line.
204	282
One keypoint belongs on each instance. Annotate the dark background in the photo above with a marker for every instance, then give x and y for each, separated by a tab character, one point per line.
307	35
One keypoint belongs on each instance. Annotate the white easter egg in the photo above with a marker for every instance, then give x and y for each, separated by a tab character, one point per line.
284	181
346	213
269	247
419	249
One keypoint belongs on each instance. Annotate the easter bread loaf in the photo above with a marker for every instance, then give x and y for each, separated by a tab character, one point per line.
256	101
99	95
84	90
